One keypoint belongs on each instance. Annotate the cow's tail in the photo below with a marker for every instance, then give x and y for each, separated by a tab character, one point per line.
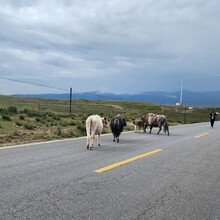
166	127
88	127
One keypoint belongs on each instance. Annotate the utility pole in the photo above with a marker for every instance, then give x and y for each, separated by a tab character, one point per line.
70	100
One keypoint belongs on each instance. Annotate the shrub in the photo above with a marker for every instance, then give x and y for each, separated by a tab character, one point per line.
53	123
3	111
81	128
56	118
47	113
29	126
21	117
6	117
38	119
32	113
58	131
63	124
72	123
12	135
71	133
12	110
18	123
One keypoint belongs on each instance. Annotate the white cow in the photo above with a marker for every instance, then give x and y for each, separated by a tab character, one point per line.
94	126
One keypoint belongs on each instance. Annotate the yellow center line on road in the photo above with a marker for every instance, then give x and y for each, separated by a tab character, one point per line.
201	135
103	169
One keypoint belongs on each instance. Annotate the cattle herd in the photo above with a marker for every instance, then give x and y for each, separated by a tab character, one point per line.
95	124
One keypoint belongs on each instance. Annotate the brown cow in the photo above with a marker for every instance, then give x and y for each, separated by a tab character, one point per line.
138	124
154	120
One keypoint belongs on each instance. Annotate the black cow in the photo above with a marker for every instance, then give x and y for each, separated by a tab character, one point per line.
117	124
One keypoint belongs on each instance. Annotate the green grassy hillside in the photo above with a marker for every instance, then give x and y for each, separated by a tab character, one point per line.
25	120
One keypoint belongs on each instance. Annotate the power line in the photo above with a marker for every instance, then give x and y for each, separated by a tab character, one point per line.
36	84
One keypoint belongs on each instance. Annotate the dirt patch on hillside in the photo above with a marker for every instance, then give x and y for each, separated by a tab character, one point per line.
115	106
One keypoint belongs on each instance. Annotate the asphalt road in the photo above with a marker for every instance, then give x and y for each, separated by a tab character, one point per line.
151	177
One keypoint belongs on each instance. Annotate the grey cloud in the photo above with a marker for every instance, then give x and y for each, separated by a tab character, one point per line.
134	40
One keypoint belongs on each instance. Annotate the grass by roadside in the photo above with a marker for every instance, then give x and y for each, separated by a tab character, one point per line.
26	120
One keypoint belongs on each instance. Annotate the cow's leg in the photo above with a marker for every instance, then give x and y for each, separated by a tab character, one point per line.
114	137
150	129
118	139
159	130
92	136
99	139
88	141
168	133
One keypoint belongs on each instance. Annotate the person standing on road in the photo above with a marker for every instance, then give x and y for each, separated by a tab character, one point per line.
212	118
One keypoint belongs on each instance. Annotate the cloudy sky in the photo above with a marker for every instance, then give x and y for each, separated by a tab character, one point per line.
120	46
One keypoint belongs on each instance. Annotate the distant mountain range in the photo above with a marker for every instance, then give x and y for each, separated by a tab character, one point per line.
205	99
